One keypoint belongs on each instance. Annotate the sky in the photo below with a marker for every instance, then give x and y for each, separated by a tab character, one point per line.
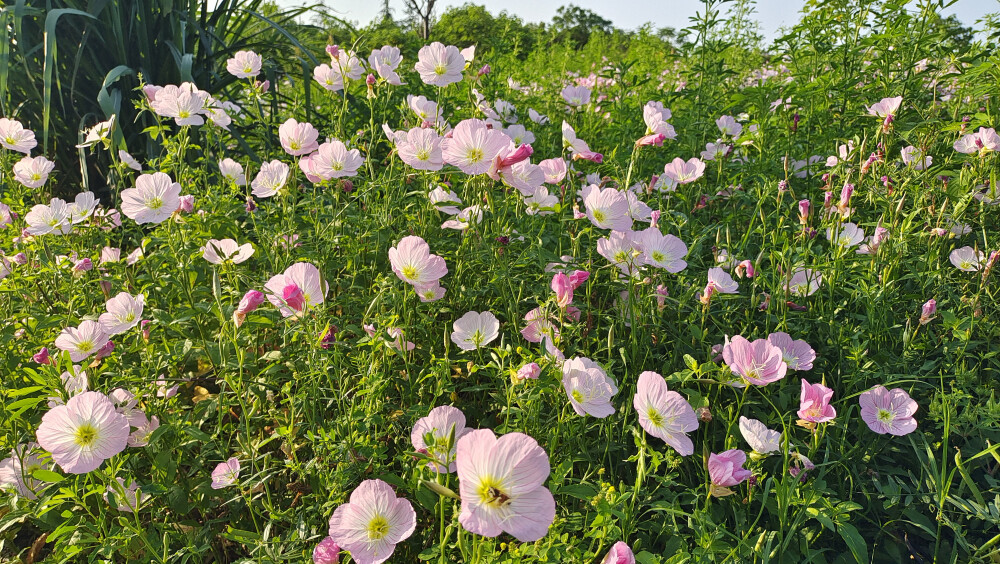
628	14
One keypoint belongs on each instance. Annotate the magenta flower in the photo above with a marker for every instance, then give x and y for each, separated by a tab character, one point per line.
437	436
84	433
797	354
814	403
439	65
326	552
759	362
298	138
663	413
888	411
300	287
589	388
502	485
563	288
684	172
226	474
250	301
726	468
620	553
373	522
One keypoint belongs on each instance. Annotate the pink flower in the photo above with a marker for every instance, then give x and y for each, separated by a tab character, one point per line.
576	95
298	138
620	553
814	403
384	61
421	149
329	77
608	209
888	411
332	160
439	65
661	251
529	371
270	179
874	242
232	171
226	251
184	103
620	249
729	126
82	341
326	552
84	433
473	146
226	474
589	388
33	172
554	169
244	64
664	413
124	312
927	311
684	172
474	330
726	468
563	289
914	158
372	523
745	268
797	354
885	107
297	289
502	485
719	281
153	200
761	439
804	282
578	277
759	362
967	259
14	137
539	325
437	436
578	147
414	264
251	301
983	141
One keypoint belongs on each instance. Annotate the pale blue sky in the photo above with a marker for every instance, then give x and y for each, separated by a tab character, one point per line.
628	14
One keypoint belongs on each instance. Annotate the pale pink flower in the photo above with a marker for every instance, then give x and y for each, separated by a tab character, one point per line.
797	354
474	330
620	553
982	141
84	433
846	235
683	172
14	137
589	388
804	282
437	436
421	149
399	341
334	160
664	413
915	159
53	218
326	552
719	281
502	485
967	259
439	65
524	176
442	198
124	312
226	474
372	523
226	251
758	362
725	469
888	411
328	77
83	340
715	150
271	178
143	429
537	117
473	146
541	202
814	403
414	264
33	172
83	206
608	209
578	147
184	103
661	251
153	200
529	371
233	171
576	96
244	64
800	459
299	288
129	160
426	110
384	61
761	439
539	325
128	499
298	138
885	107
729	126
620	249
519	135
16	471
554	169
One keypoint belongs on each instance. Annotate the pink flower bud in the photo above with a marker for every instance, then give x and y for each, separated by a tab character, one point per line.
328	337
82	265
745	267
326	552
106	288
251	301
186	204
42	356
265	86
20	259
652	139
563	288
654	218
105	351
661	297
804	211
827	199
578	277
333	51
370	79
484	70
529	371
144	326
928	311
845	196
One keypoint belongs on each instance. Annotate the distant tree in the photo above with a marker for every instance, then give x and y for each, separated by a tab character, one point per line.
472	24
576	24
422	12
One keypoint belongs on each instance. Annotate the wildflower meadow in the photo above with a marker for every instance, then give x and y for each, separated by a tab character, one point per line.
424	292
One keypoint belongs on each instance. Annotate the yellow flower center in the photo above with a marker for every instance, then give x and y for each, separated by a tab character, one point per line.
474	155
377	528
440	69
84	346
577	395
423	155
154	203
600	216
885	416
410	272
654	416
490	493
658	256
86	435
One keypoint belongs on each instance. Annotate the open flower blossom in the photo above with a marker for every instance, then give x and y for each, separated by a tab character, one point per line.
502	485
385	61
847	235
226	474
983	141
128	498
967	259
761	439
17	469
539	325
576	96
224	251
888	411
663	413
804	282
474	330
56	217
371	524
84	433
554	170
124	312
683	172
296	290
437	436
33	172
298	138
83	340
244	64
915	159
796	353
232	171
270	179
14	137
153	200
719	281
729	126
439	65
758	362
885	107
421	149
413	263
661	251
185	103
607	209
473	146
814	403
589	388
874	241
622	251
442	199
620	553
725	469
578	148
332	160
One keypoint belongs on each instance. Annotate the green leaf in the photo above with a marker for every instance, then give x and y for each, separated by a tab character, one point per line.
47	476
855	542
